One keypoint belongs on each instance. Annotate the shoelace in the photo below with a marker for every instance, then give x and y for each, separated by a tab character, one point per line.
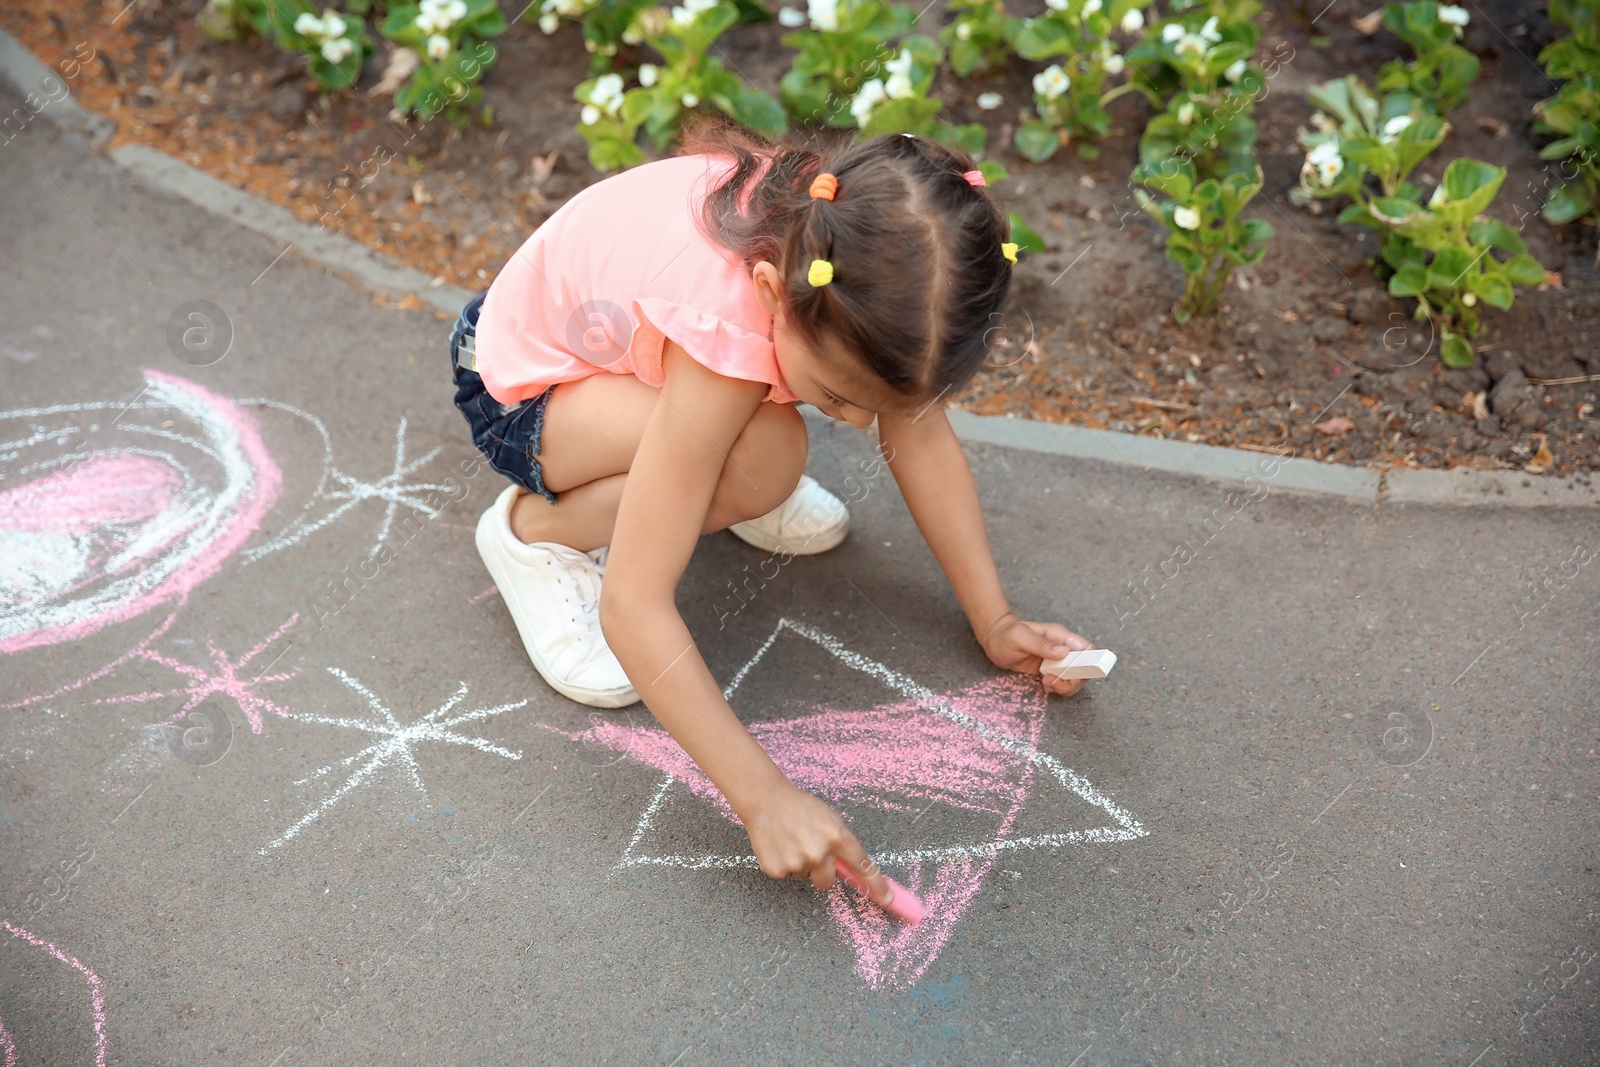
582	583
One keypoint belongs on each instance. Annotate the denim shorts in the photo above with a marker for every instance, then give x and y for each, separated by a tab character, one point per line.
506	434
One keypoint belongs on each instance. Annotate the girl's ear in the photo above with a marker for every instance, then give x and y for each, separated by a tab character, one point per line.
769	287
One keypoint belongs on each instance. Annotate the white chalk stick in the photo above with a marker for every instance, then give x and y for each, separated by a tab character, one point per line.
1090	663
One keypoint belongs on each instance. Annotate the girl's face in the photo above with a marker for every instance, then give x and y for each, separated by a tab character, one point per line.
826	381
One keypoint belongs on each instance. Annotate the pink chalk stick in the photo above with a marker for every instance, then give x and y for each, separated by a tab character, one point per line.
902	903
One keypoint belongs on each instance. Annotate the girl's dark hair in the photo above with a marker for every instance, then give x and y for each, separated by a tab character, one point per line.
919	278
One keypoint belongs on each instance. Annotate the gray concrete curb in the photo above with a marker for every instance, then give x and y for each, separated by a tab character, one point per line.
23	73
1174	457
368	269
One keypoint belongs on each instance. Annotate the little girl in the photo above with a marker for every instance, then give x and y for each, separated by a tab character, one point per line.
634	371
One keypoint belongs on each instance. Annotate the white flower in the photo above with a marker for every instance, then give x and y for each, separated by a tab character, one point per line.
607	93
1190	42
899	85
1113	64
1185	113
689	100
456	9
1209	30
1469	299
867	97
549	23
824	14
1324	161
336	50
629	35
1186	218
438	47
1171	32
308	25
1454	16
1051	82
1439	197
791	17
1133	21
647	74
1056	5
1395	126
990	101
430	21
1235	72
590	114
700	7
1089	6
682	16
332	24
963	31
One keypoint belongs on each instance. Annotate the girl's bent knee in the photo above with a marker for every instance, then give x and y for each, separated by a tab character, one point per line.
771	454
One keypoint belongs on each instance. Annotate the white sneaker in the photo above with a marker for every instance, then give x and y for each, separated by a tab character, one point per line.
553	594
812	520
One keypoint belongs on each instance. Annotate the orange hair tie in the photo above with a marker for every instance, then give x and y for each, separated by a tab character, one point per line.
824	186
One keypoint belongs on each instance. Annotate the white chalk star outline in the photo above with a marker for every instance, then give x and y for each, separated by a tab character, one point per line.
392	489
394	745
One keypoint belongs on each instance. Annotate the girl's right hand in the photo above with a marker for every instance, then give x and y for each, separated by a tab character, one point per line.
795	835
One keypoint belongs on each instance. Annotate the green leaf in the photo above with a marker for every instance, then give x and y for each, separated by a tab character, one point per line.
994	172
1455	351
1025	236
1254	231
1492	288
1523	270
1450	268
1566	204
1471	185
1175	177
1409	281
757	110
1496	234
1185	256
1041	39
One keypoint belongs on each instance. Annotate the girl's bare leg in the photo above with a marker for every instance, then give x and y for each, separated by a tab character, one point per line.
592	430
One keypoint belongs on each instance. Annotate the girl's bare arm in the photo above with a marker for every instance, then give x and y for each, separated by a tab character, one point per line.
664	504
933	475
936	480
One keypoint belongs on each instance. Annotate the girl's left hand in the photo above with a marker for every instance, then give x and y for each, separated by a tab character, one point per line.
1022	646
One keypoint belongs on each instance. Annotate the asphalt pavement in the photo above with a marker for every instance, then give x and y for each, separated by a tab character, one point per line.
278	785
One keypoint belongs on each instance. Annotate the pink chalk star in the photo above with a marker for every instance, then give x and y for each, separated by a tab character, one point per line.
975	751
225	679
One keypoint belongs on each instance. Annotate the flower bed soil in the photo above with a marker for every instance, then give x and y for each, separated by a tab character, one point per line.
1306	338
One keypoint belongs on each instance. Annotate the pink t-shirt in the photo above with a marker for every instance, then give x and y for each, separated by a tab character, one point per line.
615	271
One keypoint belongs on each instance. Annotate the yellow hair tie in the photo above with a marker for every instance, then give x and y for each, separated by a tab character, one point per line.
1009	250
820	273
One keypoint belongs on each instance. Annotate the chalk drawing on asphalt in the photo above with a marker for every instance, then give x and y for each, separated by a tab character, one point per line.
96	992
974	751
338	493
226	677
393	746
152	499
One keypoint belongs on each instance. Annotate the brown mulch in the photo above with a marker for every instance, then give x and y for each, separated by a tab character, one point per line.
1308	353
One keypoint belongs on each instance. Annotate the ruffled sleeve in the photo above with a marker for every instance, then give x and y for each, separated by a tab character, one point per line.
725	347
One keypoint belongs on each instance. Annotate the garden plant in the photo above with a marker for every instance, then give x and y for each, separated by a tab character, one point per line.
1573	114
1206	234
1442	71
1439	251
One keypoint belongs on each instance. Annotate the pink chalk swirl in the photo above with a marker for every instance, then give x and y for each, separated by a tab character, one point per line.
112	532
